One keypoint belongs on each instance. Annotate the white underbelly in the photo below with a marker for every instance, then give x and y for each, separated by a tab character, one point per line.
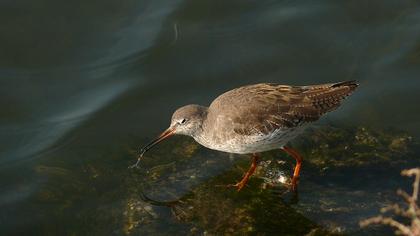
255	143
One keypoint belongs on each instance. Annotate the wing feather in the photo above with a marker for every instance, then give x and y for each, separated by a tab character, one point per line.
262	108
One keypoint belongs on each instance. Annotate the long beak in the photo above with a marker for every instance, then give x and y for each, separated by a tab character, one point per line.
167	133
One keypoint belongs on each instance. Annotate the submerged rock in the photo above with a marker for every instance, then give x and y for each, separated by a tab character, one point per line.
214	209
329	150
332	146
180	187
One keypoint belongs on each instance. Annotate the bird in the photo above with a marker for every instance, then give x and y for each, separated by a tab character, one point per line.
256	118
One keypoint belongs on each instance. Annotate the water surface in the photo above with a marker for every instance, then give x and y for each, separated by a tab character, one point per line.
83	84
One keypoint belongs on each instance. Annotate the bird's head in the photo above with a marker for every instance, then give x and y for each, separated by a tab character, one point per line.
186	120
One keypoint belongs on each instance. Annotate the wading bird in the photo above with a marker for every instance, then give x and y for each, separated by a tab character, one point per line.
256	118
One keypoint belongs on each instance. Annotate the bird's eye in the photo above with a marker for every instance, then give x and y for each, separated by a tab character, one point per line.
182	121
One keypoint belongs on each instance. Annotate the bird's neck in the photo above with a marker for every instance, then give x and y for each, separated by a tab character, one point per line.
201	122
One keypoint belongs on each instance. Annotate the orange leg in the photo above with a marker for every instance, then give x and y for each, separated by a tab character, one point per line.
299	160
248	174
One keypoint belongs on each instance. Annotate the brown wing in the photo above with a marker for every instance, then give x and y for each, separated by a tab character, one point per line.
262	108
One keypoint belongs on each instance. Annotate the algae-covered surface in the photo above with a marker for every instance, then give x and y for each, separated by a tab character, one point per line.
348	174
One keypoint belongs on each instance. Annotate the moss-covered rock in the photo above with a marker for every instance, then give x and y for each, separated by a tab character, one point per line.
332	146
180	186
214	209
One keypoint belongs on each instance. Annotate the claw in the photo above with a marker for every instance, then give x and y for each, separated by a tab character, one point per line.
238	185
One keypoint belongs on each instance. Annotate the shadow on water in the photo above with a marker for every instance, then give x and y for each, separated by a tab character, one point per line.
224	211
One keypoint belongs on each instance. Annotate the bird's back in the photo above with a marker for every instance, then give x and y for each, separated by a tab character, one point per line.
262	109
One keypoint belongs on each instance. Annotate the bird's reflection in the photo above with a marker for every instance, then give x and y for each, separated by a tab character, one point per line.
211	198
227	210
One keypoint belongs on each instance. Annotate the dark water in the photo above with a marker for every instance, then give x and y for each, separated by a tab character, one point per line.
83	84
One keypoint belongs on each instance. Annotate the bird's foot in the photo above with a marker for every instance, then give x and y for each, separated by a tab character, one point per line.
294	184
240	185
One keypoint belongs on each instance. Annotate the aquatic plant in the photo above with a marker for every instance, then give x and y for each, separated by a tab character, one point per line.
412	211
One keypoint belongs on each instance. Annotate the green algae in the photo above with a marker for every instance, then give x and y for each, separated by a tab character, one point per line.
214	209
334	147
180	187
